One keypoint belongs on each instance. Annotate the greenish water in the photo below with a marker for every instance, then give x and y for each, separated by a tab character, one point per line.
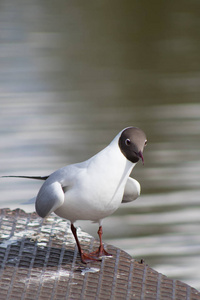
73	75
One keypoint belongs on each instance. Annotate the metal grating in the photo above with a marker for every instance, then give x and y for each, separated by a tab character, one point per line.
39	260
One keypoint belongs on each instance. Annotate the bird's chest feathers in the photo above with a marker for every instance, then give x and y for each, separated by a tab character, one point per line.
102	184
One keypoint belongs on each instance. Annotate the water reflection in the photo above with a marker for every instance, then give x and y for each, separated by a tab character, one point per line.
72	76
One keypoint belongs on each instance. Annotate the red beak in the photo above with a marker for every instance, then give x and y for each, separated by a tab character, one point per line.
141	156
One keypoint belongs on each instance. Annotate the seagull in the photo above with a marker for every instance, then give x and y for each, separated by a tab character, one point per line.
93	189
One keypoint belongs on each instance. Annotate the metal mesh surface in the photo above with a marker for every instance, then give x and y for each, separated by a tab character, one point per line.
39	260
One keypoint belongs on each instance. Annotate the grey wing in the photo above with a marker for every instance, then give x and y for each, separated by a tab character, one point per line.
49	198
131	191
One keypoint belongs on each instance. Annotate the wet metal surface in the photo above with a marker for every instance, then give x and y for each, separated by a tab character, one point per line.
39	260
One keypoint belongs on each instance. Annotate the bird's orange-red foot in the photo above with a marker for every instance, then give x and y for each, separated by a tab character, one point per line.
100	252
95	255
87	257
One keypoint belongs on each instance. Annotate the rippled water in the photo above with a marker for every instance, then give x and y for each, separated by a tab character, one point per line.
72	76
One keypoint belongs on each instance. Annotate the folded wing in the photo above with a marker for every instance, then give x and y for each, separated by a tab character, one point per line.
131	191
49	198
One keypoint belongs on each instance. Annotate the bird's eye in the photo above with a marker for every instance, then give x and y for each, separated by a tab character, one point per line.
145	143
127	142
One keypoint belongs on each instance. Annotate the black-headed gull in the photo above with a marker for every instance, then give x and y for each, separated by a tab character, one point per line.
95	188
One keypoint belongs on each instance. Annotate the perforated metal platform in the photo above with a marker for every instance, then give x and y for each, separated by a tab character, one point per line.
39	260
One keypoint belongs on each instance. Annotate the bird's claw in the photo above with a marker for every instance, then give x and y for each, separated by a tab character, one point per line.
95	255
87	257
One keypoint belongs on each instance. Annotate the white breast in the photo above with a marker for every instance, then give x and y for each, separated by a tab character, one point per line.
98	186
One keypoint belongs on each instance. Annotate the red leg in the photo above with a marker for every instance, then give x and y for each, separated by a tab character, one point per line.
100	251
84	256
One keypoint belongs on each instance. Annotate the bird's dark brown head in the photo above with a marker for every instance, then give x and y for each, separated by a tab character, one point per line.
132	142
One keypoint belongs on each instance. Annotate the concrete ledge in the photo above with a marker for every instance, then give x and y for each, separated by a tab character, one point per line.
39	260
